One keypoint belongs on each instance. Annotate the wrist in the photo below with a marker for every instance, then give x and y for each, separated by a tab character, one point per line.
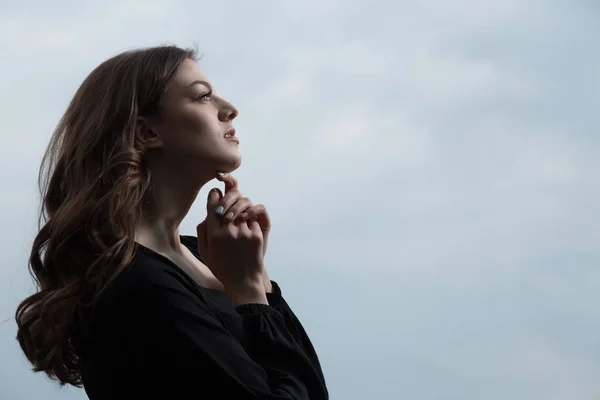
247	293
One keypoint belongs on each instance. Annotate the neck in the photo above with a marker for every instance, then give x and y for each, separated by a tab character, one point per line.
170	197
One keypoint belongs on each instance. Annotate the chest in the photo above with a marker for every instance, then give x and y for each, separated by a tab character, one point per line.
221	306
194	268
202	283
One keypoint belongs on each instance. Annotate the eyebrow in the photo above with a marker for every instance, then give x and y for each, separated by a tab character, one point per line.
208	85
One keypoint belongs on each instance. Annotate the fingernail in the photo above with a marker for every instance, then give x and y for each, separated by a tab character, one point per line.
220	210
229	215
244	215
221	173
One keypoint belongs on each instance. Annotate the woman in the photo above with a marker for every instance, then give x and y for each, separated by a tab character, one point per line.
126	306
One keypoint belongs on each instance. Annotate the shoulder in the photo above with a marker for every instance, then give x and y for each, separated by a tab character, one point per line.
148	274
145	280
146	293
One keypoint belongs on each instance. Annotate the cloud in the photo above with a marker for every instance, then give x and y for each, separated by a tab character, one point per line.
430	169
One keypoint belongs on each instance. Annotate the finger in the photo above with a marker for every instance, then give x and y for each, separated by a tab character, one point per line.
229	200
230	182
254	228
243	229
214	208
232	231
259	213
239	207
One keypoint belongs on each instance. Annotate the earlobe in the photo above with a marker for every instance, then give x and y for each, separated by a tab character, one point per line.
154	141
148	135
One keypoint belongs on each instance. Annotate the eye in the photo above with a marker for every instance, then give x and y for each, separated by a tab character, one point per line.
205	96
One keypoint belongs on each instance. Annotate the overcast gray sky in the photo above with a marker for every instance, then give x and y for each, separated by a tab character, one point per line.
431	169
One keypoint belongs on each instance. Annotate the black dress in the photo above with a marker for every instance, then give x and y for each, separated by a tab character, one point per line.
155	334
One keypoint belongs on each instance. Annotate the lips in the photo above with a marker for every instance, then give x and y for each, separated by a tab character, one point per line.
230	135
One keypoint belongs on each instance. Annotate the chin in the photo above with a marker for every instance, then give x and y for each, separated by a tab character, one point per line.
232	163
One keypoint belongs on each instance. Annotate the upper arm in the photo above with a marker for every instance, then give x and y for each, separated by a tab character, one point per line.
191	350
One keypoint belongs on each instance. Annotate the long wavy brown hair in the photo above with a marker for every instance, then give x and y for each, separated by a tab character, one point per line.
92	180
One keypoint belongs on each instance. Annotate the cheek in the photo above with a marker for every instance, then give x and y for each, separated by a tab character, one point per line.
191	129
196	121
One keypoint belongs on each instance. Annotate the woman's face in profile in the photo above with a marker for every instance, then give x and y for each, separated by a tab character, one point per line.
195	125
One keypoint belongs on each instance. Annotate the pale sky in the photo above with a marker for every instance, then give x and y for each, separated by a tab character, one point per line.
431	169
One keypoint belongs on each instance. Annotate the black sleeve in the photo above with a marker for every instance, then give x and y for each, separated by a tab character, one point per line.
198	355
294	326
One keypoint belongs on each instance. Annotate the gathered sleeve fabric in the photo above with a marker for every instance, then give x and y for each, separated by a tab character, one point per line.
294	326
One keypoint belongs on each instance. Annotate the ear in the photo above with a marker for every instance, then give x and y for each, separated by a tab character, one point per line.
147	134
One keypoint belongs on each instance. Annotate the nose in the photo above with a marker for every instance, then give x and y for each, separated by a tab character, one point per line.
227	111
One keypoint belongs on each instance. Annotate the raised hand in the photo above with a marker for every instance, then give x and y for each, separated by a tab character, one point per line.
233	252
239	209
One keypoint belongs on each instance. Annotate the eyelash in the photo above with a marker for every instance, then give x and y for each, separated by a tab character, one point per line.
205	96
